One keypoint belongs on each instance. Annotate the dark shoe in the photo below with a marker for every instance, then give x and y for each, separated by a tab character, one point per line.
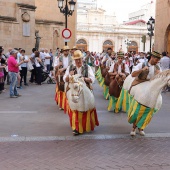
13	97
18	95
75	132
20	87
26	84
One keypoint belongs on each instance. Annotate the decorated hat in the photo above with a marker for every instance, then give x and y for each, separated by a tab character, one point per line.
74	48
156	54
66	48
120	54
77	55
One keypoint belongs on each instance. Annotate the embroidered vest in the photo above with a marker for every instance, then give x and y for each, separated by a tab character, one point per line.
84	70
69	60
116	66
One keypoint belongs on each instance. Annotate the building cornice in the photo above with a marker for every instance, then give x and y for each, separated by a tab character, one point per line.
48	22
109	33
27	6
6	18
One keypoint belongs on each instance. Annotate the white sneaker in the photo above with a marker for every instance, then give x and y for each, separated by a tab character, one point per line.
141	132
133	132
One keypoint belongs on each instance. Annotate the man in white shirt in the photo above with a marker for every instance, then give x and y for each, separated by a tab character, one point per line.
62	63
42	54
79	68
47	59
119	68
86	72
107	56
8	53
144	72
165	62
142	58
165	65
150	66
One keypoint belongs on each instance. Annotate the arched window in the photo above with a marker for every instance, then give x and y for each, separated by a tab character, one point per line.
55	39
81	44
81	41
107	42
133	43
133	47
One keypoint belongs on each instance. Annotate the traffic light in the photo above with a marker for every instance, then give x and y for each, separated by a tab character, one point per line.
143	39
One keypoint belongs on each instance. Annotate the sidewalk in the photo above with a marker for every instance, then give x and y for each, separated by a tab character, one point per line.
117	154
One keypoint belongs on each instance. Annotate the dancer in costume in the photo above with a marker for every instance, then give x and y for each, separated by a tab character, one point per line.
89	59
82	112
64	61
107	61
141	116
118	73
97	63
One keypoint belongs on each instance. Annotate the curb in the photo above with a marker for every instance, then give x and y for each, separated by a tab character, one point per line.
81	137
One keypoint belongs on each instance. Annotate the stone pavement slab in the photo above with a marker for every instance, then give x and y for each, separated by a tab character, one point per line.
111	154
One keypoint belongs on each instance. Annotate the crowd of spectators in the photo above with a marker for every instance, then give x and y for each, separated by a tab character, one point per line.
15	64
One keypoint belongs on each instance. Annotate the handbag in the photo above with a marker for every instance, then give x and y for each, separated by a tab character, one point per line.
29	66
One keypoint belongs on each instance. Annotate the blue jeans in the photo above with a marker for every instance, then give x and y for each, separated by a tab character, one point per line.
13	83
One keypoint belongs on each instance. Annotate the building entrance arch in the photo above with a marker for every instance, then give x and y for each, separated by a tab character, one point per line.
81	44
133	47
108	44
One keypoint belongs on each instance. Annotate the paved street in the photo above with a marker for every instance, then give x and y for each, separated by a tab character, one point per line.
43	138
36	114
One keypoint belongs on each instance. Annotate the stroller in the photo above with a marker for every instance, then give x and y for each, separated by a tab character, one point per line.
46	75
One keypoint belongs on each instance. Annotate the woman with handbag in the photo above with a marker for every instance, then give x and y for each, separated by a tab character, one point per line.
38	64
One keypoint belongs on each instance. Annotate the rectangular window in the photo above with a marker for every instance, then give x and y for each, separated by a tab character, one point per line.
26	29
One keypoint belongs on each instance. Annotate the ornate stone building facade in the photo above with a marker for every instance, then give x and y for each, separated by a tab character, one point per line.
162	26
20	20
97	31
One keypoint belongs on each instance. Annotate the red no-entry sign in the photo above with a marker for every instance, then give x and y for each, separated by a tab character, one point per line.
66	33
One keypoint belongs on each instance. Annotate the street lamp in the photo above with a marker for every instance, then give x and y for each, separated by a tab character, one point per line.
66	10
150	27
127	42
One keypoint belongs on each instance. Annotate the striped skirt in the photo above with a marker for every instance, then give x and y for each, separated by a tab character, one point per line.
140	115
123	102
112	103
61	100
83	121
99	77
106	92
